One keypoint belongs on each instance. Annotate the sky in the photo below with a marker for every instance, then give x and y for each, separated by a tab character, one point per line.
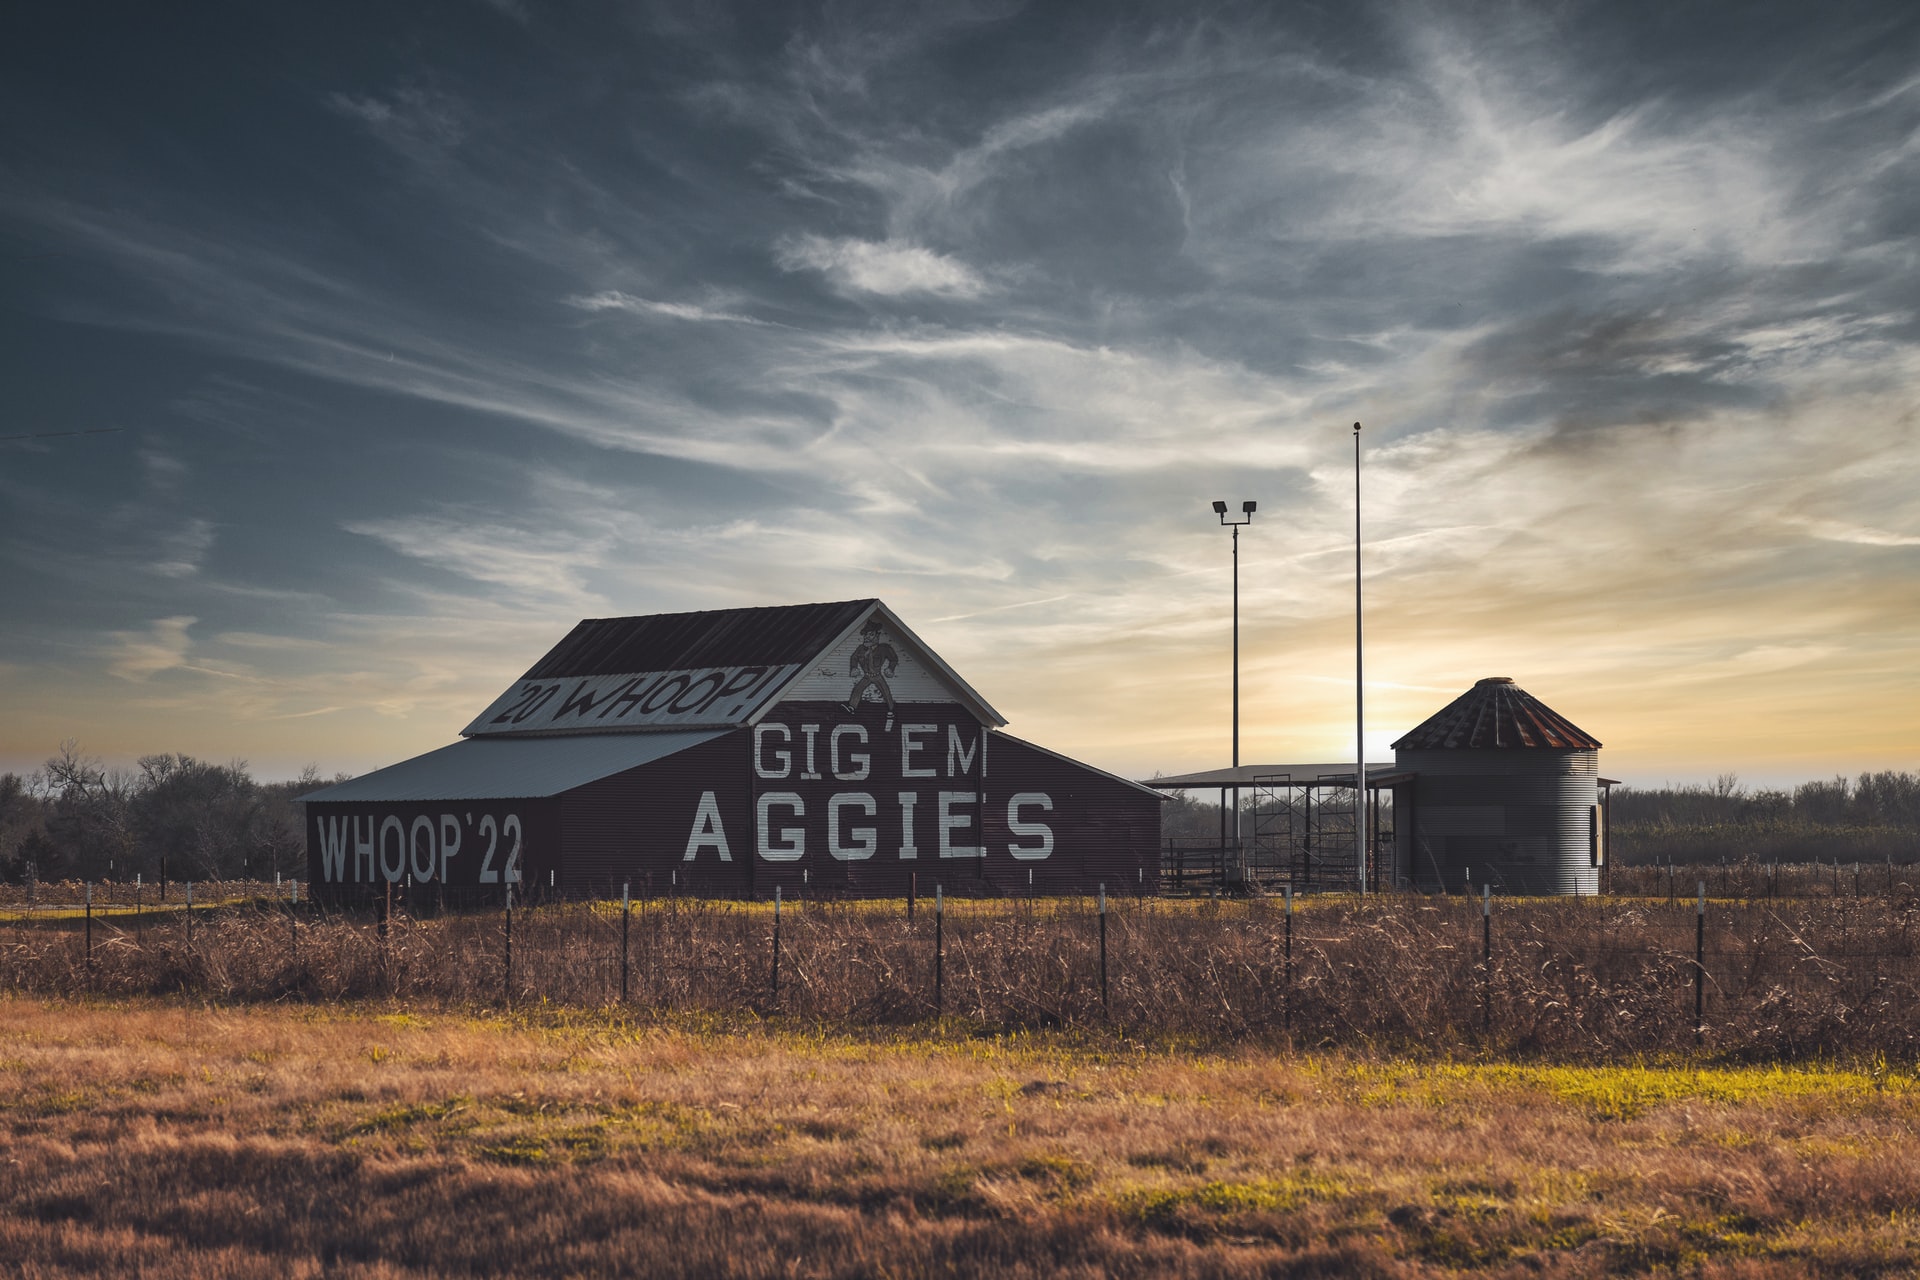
406	335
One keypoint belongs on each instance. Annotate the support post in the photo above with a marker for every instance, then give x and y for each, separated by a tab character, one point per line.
1104	1006
913	891
939	953
89	927
1700	963
626	927
506	973
1486	957
776	947
1287	989
189	913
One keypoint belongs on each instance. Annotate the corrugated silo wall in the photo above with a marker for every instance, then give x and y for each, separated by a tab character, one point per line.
1521	820
861	815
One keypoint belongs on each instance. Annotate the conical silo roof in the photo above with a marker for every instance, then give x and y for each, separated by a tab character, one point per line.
1496	713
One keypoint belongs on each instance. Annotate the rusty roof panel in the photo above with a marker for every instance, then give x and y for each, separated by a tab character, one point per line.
1498	714
772	636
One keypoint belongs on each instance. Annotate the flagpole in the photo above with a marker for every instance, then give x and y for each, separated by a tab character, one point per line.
1359	687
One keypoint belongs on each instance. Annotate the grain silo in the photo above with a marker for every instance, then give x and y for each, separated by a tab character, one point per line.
1508	793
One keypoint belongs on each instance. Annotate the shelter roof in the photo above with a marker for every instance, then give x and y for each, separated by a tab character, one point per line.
511	768
1496	713
1248	775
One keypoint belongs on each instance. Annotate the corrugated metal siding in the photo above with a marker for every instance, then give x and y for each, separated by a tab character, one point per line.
1106	830
633	827
481	834
711	638
628	828
1516	819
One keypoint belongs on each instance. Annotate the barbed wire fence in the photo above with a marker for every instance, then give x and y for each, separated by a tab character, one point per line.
1772	976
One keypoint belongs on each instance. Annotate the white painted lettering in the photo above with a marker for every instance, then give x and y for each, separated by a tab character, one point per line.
907	847
333	848
865	839
861	761
960	753
708	832
812	774
783	760
490	828
363	852
399	867
793	839
1015	803
910	743
449	843
951	822
413	849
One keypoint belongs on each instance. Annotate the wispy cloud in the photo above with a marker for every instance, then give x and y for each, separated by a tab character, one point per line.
163	646
889	268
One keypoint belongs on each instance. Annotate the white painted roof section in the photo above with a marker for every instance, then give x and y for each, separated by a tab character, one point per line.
509	768
921	676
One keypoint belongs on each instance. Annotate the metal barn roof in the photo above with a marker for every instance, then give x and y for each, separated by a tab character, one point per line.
771	636
1496	713
511	768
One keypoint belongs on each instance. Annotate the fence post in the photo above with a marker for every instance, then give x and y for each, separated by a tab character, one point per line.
626	925
1700	963
1104	1007
939	952
507	969
293	918
776	947
189	913
1486	956
913	890
89	927
140	919
1287	989
386	910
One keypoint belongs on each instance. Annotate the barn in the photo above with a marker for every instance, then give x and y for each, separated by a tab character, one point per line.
817	748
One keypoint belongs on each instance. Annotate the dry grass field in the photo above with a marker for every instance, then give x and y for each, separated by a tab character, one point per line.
169	1137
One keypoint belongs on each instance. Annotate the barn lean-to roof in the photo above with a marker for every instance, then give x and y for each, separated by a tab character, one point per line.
1496	714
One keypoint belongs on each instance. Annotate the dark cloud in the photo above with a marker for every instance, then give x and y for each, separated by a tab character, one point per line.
430	328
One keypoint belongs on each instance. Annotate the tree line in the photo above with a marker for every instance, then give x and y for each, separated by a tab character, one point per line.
76	819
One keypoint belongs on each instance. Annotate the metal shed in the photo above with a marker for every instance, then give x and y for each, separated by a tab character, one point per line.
817	747
1506	792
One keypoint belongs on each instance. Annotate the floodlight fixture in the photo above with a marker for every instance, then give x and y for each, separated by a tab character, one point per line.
1249	506
1220	507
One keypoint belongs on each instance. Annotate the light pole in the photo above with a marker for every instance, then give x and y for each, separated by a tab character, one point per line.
1360	826
1246	517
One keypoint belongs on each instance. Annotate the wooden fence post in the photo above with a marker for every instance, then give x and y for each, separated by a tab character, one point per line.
626	926
189	913
507	968
89	929
939	952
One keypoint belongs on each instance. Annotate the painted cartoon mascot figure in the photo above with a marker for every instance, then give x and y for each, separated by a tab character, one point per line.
872	663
